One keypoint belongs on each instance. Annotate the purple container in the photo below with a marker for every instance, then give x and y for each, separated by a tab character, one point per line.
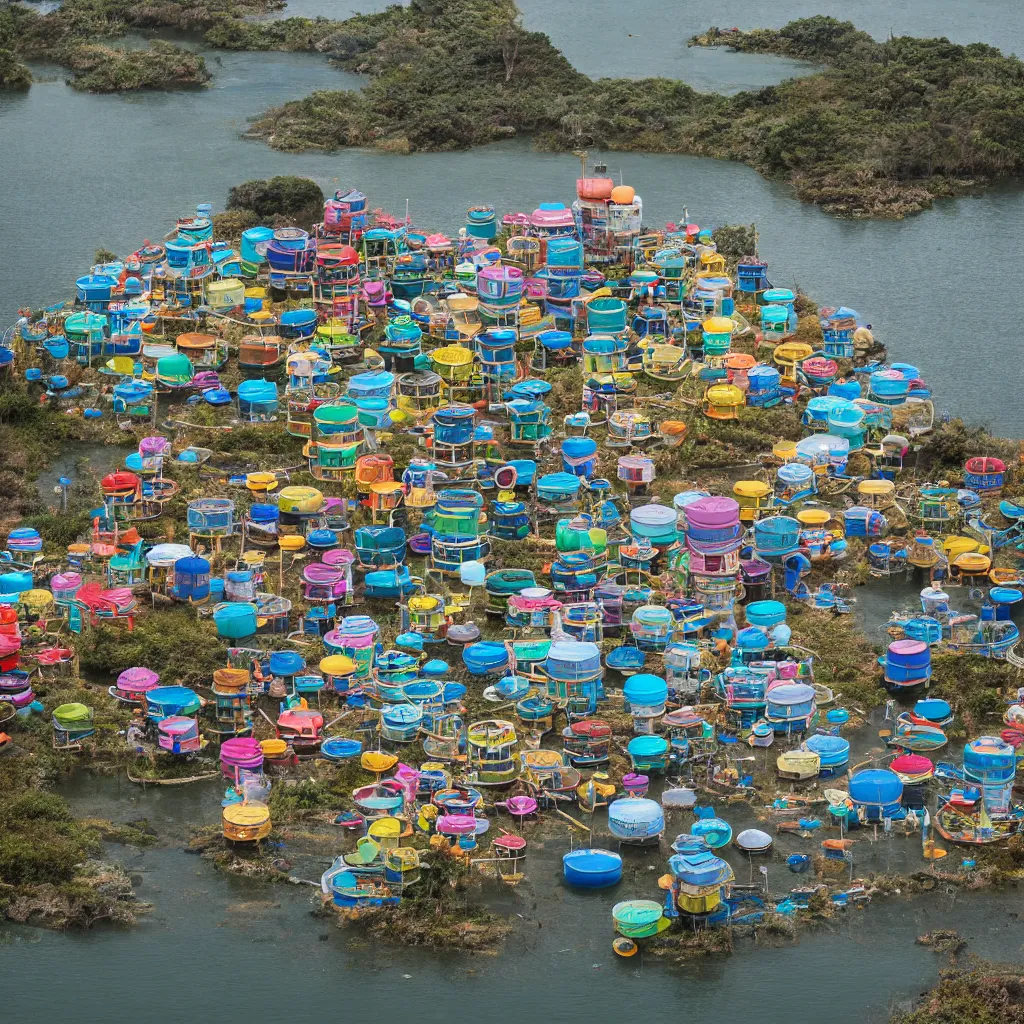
713	513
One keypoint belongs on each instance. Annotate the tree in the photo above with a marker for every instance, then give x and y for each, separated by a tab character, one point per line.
286	196
509	36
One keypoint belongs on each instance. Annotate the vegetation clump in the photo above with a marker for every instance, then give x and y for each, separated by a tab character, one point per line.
980	993
107	69
13	73
443	910
49	871
76	35
285	199
186	648
884	128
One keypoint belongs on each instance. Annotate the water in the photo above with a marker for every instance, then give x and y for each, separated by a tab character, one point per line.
80	461
212	937
654	38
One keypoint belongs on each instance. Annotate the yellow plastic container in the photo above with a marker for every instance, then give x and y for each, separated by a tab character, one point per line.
299	500
261	483
723	402
813	518
386	831
784	450
377	761
246	823
337	665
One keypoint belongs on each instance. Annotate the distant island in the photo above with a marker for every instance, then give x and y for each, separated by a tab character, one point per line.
875	129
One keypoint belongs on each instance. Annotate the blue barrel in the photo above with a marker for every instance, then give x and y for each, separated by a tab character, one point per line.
657	523
453	424
818	409
573	660
298	323
647	752
848	389
286	663
251	238
878	791
989	760
592	869
846	420
374	384
340	748
257	397
235	620
645	691
833	751
373	412
863	522
777	536
606	316
796	475
781	296
635	819
263	513
752	638
763	378
888	386
908	662
485	658
133	392
766	613
555	341
15	583
558	487
526	470
322	540
497	348
579	456
481	223
453	693
934	709
789	703
565	253
292	238
192	577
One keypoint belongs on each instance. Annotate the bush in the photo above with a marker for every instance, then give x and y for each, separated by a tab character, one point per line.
13	74
174	641
107	69
40	841
287	196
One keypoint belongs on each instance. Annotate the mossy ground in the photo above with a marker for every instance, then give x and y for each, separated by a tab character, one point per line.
979	993
50	868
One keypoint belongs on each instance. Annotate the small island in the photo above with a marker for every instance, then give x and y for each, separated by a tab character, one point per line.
99	68
78	36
